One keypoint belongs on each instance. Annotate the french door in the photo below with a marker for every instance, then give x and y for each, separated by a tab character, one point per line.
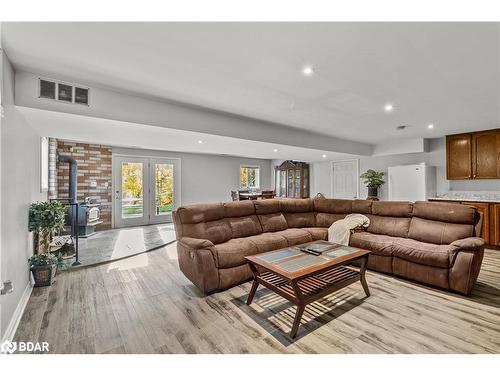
146	190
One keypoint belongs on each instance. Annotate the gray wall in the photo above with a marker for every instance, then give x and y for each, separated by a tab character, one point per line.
20	157
321	173
109	104
207	178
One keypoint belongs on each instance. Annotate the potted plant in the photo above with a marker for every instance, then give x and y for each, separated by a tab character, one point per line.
373	180
45	219
44	267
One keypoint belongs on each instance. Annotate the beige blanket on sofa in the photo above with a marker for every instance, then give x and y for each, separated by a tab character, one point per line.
340	231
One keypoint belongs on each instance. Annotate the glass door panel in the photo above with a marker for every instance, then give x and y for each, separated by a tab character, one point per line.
132	190
165	189
131	195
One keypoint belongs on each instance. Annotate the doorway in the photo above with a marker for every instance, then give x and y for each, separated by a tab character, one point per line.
345	179
146	190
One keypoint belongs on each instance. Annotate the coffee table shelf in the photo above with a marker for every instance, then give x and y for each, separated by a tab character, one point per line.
305	278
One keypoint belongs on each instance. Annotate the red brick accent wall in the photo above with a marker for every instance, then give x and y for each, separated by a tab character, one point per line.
94	168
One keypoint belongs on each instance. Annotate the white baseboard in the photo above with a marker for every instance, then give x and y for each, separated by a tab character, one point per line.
18	314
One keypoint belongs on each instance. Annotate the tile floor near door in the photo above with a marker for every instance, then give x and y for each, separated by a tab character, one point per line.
119	243
144	304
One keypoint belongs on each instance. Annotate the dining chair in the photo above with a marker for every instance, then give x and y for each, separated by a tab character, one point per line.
235	196
243	198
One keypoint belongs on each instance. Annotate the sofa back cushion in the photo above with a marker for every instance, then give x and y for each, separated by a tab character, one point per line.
442	223
298	213
391	218
362	206
205	221
242	218
270	216
333	206
388	225
324	220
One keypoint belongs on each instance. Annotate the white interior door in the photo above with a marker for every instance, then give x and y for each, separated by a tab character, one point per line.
146	190
345	184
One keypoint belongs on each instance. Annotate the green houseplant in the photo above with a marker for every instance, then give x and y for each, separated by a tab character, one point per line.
44	267
373	180
45	218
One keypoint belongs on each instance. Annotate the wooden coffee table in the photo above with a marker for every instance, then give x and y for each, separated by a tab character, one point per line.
303	278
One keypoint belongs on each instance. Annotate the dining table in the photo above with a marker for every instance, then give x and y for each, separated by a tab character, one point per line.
251	196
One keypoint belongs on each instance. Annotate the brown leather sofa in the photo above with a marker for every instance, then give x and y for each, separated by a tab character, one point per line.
429	242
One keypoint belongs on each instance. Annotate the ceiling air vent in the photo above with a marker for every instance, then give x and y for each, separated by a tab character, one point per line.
63	92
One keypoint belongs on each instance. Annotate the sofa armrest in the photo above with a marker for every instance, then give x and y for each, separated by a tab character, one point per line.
470	243
196	243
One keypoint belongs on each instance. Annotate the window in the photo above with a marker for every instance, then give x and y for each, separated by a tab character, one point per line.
249	177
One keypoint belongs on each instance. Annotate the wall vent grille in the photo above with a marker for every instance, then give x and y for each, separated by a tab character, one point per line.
63	92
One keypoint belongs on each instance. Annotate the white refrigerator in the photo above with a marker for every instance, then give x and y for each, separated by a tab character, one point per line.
414	182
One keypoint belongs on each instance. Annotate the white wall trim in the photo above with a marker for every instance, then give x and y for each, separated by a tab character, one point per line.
18	314
332	175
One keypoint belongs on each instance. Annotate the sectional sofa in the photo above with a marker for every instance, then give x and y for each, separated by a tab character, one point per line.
428	242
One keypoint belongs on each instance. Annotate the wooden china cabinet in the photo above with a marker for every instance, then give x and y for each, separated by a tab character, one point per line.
291	179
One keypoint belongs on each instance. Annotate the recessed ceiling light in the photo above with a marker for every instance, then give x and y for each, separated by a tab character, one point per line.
430	126
323	156
275	150
388	107
200	141
308	70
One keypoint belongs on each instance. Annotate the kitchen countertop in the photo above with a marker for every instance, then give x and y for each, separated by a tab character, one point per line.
479	200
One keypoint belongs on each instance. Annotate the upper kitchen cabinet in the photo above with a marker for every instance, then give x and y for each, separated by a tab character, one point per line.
459	157
473	155
485	154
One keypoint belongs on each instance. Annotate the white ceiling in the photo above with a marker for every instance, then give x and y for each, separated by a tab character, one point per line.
441	73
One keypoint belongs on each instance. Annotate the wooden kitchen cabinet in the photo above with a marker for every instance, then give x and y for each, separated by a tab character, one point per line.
473	155
483	208
485	154
459	157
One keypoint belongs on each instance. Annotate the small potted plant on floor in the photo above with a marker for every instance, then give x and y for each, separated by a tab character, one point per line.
373	180
45	219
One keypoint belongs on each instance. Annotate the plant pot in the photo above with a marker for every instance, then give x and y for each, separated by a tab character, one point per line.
44	275
372	193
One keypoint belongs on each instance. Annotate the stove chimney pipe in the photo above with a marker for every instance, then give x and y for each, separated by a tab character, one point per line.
73	174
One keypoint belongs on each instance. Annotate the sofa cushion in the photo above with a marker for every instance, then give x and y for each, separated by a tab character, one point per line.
299	220
333	206
388	225
233	252
296	205
272	222
239	208
268	241
378	244
317	233
423	253
438	232
266	206
198	213
217	231
362	206
447	212
295	236
392	208
324	220
245	226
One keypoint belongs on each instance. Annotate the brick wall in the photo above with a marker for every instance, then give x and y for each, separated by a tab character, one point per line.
94	175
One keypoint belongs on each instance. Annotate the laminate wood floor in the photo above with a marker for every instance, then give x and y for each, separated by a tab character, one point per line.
144	304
